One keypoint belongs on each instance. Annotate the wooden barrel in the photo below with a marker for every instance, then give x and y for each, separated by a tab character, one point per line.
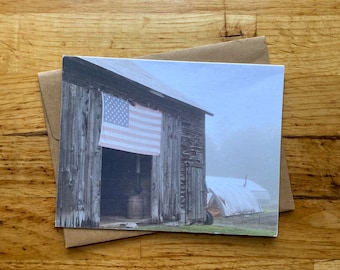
135	207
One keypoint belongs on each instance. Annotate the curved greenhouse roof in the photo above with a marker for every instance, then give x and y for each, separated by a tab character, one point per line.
234	196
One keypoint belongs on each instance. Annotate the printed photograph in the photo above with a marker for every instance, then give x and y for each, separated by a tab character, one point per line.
170	146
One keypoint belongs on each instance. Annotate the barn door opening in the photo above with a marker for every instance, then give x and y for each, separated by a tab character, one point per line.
196	194
124	174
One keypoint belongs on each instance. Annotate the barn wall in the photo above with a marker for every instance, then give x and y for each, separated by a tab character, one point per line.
78	203
165	179
184	131
193	188
170	199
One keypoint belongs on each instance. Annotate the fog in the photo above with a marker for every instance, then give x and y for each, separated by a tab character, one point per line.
250	153
243	137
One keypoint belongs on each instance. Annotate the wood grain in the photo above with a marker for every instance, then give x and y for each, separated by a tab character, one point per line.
111	6
329	265
302	35
314	166
26	240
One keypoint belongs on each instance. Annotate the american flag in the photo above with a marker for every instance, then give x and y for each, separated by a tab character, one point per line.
125	127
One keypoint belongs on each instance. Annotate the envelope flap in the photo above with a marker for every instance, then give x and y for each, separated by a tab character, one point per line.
49	81
250	50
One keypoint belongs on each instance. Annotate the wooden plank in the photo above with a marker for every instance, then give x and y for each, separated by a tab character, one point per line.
110	6
239	26
305	44
38	41
179	262
23	174
311	105
42	39
20	165
289	7
9	42
327	265
313	166
20	106
283	8
28	232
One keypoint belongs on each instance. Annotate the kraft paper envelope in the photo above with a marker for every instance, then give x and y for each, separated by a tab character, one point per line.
251	50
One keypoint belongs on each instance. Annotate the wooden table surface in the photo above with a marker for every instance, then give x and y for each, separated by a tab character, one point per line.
302	35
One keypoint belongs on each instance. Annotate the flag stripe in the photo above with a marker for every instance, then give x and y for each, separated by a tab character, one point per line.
141	135
142	122
123	140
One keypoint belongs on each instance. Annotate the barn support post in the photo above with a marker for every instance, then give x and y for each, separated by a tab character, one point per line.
138	188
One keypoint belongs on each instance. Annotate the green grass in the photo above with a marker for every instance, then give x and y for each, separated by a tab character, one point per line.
210	229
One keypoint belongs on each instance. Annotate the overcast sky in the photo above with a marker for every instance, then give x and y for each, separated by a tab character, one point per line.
238	95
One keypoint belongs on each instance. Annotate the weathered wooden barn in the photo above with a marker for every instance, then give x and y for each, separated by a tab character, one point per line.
96	182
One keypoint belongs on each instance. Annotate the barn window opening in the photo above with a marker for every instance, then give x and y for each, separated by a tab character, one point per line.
125	177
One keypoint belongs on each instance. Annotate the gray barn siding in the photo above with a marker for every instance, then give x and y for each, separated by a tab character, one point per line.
193	185
196	193
165	179
80	158
183	146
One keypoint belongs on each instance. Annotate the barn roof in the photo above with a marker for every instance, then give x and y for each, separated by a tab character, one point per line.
126	68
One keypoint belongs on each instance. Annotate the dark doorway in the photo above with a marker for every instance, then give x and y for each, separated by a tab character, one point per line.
120	180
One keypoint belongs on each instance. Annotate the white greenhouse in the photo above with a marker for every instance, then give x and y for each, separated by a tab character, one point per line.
234	196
